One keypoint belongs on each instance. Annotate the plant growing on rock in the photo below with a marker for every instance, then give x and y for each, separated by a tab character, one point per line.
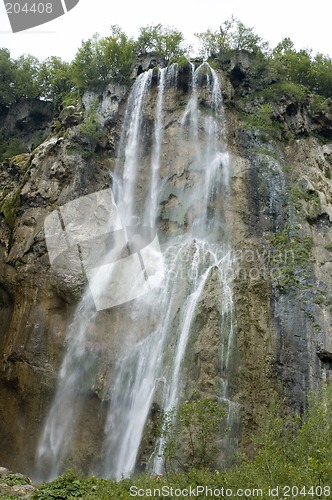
191	434
163	42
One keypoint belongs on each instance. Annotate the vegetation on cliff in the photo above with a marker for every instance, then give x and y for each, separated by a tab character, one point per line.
101	60
290	451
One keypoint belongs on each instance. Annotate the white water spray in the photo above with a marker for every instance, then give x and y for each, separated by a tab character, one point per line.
164	318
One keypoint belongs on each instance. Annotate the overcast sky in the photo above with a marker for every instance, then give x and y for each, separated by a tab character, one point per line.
308	24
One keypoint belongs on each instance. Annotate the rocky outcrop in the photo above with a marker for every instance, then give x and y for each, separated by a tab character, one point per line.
29	121
15	485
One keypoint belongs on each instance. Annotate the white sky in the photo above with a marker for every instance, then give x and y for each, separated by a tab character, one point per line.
308	24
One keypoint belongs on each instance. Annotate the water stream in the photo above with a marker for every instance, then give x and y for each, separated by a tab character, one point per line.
196	253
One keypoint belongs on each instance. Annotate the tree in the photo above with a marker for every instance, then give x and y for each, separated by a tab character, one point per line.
90	66
232	35
191	434
212	43
164	42
19	78
7	80
119	51
27	77
321	75
55	79
102	60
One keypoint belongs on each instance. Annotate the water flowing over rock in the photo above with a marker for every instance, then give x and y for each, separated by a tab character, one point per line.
235	283
197	254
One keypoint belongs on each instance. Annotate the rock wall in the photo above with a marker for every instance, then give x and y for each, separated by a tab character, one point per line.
279	218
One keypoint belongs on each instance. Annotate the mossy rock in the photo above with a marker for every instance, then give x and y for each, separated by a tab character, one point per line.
10	207
21	162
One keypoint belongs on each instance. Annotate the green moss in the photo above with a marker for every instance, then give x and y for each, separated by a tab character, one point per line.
91	128
319	104
290	257
21	162
267	152
10	207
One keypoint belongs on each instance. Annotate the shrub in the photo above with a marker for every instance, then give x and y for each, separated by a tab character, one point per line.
191	434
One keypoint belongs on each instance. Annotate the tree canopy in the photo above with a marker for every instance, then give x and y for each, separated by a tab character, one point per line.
101	60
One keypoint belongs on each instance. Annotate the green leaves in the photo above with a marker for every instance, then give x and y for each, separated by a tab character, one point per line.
232	35
290	450
18	78
163	42
55	77
191	434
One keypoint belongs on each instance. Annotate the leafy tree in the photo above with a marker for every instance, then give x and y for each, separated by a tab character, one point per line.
102	60
55	78
191	434
18	78
27	77
119	51
291	449
231	35
321	75
7	79
163	42
90	66
212	43
242	37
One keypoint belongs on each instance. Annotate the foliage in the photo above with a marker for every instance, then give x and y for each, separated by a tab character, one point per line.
14	479
119	51
261	120
291	256
191	434
18	78
10	207
289	450
102	60
232	35
7	79
302	68
69	485
277	91
27	83
90	128
164	42
55	77
11	147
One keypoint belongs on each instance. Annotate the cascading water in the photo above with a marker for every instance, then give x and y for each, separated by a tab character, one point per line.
196	252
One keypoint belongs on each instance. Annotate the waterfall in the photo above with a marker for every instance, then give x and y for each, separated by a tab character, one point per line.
151	202
190	203
131	142
55	439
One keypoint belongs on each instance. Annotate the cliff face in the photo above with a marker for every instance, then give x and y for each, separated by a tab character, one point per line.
278	213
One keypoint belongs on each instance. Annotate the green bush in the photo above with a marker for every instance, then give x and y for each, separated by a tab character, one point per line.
11	147
289	450
191	434
13	479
